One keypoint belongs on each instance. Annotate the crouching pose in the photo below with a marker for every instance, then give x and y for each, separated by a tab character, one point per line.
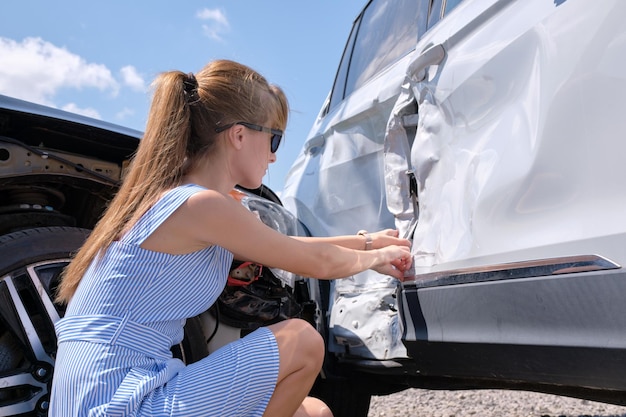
162	253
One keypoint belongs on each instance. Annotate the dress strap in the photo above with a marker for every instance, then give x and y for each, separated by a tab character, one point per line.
157	214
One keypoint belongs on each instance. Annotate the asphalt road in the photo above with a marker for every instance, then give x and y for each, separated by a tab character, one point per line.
487	403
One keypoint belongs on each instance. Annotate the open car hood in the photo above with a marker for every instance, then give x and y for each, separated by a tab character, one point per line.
45	127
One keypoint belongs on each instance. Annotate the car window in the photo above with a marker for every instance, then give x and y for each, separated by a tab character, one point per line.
439	9
450	4
342	72
435	13
384	32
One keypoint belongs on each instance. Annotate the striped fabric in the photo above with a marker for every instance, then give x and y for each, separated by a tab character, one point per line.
114	342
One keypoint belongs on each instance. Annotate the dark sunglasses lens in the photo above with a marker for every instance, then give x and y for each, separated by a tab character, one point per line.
275	143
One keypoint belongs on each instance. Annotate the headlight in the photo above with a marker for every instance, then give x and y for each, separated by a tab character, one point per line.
278	218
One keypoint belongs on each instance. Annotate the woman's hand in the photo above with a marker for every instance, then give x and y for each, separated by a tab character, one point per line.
394	261
388	237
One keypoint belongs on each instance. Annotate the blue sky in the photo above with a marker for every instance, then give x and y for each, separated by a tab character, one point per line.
98	58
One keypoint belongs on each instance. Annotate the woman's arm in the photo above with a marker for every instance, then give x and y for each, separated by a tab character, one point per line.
212	218
379	240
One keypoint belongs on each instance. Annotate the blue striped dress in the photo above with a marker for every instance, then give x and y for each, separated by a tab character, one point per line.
114	342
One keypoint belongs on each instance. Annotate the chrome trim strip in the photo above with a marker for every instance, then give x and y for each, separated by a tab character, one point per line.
515	270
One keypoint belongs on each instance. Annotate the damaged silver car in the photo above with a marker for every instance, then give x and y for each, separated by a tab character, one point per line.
490	133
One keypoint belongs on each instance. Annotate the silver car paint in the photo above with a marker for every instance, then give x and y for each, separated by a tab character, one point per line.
336	186
520	127
517	149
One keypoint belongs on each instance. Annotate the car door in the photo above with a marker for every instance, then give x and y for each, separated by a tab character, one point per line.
336	185
520	231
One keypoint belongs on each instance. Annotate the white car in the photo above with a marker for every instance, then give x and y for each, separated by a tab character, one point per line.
491	133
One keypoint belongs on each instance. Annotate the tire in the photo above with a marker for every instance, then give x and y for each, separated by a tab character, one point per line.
29	270
29	246
30	267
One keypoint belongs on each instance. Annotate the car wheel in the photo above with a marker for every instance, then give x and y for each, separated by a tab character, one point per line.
30	267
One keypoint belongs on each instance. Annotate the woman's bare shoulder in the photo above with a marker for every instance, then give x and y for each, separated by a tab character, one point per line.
210	201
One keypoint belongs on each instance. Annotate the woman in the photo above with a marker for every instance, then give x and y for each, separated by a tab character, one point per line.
162	253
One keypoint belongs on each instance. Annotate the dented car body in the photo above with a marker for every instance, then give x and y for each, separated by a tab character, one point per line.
494	143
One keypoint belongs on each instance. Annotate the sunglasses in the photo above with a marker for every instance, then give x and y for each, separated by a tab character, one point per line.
277	135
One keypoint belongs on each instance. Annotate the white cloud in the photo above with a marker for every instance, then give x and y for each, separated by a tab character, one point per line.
36	70
124	113
213	14
216	25
132	78
72	107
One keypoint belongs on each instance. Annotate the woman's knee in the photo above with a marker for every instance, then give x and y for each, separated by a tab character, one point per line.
313	407
308	337
298	337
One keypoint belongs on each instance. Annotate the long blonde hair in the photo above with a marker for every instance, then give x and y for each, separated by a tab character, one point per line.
184	114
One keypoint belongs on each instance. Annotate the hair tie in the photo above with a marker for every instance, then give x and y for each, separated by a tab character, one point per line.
190	87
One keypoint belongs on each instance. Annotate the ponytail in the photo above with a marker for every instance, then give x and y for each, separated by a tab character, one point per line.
184	113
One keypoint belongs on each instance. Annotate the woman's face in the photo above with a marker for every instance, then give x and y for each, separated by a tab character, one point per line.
257	154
